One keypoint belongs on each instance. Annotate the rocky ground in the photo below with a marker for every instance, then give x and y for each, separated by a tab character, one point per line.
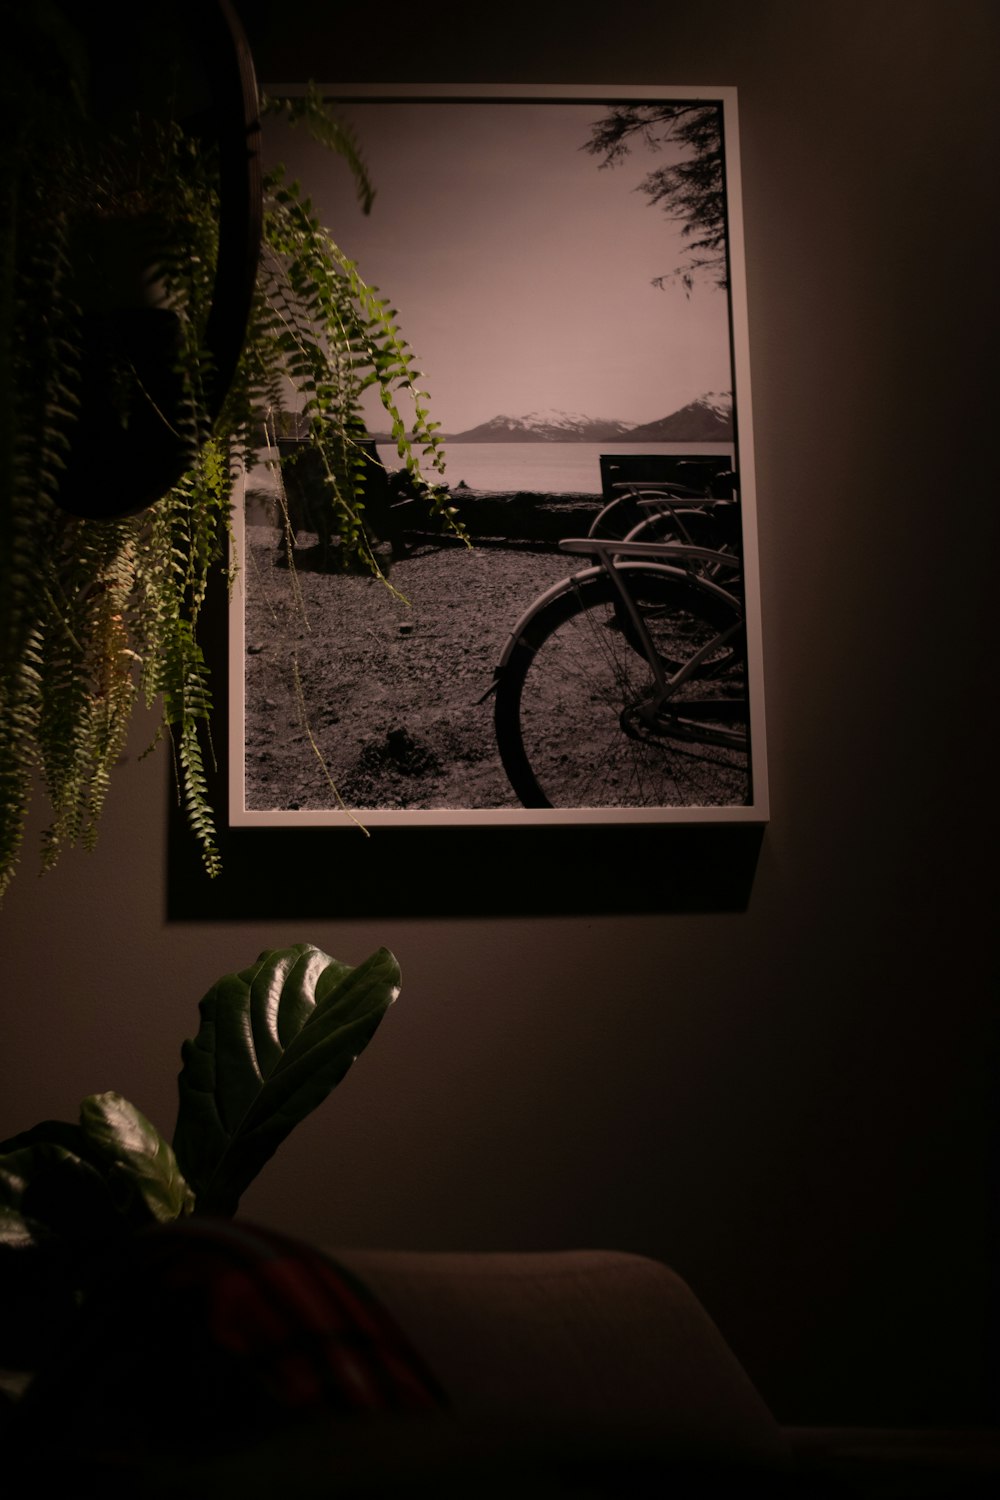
385	682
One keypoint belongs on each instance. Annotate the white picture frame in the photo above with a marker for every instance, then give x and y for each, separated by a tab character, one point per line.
492	127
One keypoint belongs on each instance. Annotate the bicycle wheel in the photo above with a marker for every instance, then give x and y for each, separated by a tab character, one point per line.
579	718
625	512
692	528
714	526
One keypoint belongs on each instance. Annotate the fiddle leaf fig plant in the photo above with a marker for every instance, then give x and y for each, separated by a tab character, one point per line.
273	1041
111	1170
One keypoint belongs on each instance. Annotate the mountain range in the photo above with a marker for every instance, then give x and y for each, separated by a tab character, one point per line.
550	426
708	419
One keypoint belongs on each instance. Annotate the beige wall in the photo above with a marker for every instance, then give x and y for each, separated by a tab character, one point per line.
787	1102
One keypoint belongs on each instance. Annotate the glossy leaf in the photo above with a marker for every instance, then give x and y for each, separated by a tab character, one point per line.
140	1166
274	1040
50	1187
111	1172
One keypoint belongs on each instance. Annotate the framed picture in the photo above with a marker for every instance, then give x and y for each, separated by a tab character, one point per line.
567	265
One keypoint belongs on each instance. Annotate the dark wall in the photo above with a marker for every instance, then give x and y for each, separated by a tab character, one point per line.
787	1099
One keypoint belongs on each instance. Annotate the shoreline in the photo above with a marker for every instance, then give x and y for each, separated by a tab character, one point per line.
519	516
525	516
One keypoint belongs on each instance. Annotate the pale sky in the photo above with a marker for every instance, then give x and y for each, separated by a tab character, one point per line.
521	271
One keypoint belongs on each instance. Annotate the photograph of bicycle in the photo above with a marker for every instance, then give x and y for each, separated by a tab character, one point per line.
625	684
568	267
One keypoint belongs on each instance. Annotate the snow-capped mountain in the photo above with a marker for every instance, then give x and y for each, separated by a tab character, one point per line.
708	419
549	426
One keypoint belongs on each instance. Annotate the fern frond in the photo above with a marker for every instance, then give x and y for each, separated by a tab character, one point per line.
316	115
95	615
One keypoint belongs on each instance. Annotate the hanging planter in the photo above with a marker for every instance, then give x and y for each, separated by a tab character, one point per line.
131	442
138	367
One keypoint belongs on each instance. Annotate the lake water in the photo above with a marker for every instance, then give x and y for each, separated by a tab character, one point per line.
549	468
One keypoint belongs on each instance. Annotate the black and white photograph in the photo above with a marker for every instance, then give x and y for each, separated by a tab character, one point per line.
570	631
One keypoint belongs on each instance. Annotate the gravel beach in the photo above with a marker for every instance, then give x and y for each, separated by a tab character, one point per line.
390	677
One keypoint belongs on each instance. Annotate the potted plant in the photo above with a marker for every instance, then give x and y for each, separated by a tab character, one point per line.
274	1039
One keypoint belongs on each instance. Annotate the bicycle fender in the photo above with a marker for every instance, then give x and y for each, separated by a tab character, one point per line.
575	581
553	592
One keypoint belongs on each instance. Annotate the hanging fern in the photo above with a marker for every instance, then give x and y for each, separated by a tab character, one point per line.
98	615
337	337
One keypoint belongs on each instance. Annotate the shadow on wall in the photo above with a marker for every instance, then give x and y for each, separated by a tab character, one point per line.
308	873
499	871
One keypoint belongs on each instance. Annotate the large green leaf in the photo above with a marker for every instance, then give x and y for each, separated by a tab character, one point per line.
66	1193
50	1188
111	1172
140	1166
274	1040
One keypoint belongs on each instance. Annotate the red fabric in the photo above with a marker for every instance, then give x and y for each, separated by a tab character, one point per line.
310	1332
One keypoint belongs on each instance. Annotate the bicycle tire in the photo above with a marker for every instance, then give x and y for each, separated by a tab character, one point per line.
574	717
694	528
622	514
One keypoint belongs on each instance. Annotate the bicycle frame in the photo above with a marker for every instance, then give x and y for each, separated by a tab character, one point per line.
609	550
655	558
654	497
609	553
679	507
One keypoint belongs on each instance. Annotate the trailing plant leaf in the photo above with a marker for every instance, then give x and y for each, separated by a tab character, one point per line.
96	615
316	116
339	337
274	1040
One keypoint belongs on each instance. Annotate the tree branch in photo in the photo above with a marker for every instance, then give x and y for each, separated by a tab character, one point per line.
690	189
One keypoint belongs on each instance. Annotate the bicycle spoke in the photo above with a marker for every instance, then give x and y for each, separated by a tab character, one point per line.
581	721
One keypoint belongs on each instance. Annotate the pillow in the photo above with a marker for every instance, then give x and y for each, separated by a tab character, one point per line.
203	1333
